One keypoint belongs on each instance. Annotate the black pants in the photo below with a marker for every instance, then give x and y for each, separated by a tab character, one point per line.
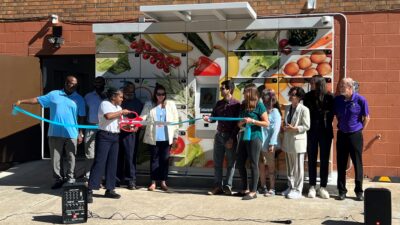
105	159
249	149
159	160
315	138
349	144
126	170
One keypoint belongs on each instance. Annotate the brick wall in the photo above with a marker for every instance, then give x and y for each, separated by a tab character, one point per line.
374	55
30	38
84	10
373	52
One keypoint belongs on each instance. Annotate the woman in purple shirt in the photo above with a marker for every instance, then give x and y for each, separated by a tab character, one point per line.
351	110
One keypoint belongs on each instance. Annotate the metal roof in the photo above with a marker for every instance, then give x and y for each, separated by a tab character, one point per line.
200	12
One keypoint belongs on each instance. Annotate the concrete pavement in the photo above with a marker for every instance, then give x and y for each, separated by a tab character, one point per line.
26	198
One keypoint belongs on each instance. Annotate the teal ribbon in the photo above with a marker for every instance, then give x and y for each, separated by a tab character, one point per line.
247	129
17	109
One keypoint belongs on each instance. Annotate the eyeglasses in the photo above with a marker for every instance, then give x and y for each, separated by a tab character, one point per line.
160	94
222	88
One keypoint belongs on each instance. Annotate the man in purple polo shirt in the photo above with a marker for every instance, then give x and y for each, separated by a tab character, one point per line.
352	114
225	140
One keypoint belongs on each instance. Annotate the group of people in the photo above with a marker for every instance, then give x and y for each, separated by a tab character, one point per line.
306	126
110	151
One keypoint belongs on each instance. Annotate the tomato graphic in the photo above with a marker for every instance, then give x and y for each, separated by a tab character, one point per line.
178	149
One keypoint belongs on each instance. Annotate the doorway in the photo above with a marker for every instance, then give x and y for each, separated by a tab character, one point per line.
55	69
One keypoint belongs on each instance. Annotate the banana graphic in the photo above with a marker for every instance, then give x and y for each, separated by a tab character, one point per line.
233	61
170	44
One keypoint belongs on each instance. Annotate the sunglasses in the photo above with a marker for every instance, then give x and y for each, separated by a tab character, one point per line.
160	94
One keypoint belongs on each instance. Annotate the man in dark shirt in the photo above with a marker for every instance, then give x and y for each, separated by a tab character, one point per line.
225	140
352	114
126	170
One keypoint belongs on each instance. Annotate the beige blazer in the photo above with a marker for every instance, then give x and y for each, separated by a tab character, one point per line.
149	114
296	141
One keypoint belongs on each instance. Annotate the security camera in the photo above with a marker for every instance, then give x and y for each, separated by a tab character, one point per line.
326	20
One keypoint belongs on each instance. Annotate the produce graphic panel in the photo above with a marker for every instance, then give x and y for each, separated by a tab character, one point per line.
114	43
240	84
257	64
254	40
303	39
117	65
208	57
280	85
163	54
307	63
256	52
275	59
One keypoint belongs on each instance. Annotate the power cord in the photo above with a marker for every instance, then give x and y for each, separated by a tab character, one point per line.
120	216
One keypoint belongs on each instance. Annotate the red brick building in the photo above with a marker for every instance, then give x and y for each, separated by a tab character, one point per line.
373	53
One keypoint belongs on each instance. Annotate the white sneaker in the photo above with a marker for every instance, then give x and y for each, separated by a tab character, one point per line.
294	195
323	193
311	192
286	192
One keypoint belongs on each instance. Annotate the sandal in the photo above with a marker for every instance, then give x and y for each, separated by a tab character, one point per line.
270	193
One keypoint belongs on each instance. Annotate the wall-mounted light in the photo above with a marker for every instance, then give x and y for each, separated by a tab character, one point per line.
311	4
54	18
56	39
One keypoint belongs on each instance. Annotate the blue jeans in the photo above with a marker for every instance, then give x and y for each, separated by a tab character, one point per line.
220	151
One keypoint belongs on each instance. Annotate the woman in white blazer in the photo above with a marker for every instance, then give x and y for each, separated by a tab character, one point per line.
296	125
160	137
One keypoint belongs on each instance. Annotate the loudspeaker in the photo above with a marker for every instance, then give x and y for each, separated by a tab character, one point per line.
377	206
74	203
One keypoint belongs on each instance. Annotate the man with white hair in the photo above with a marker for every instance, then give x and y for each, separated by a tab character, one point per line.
352	114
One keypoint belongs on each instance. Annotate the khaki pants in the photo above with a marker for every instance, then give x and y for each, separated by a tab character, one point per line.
57	147
295	170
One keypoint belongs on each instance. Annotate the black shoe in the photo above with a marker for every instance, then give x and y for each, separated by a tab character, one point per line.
227	189
239	194
112	194
262	190
216	191
131	186
90	196
249	197
58	184
359	196
341	197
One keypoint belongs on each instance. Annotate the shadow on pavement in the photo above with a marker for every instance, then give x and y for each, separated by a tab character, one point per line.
53	219
338	222
35	177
